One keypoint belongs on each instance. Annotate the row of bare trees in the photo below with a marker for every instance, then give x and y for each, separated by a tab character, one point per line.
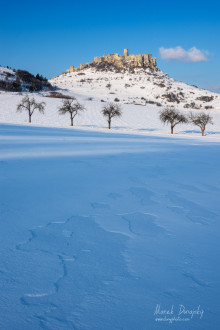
69	106
174	117
72	107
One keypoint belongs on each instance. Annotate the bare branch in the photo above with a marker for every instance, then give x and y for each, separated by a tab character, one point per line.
201	120
71	107
172	117
30	105
111	110
39	106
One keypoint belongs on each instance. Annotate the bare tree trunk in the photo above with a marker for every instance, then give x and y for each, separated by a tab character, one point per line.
109	124
171	129
202	132
29	117
71	117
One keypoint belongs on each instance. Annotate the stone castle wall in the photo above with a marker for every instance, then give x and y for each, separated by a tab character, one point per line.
121	61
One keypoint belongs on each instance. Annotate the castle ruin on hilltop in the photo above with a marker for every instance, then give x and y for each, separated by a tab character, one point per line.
119	62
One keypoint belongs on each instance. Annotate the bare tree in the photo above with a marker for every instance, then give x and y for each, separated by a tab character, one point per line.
111	110
172	117
200	119
30	105
72	107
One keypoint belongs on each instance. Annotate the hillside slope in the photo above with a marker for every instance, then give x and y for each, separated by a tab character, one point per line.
22	81
142	87
135	118
141	93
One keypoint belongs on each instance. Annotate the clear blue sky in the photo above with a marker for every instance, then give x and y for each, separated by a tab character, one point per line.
49	36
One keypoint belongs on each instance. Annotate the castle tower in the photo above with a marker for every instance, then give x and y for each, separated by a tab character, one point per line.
125	52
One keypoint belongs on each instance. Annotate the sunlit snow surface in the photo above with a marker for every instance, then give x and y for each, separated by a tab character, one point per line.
98	229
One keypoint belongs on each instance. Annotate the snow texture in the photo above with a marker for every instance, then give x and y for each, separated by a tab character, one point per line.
98	229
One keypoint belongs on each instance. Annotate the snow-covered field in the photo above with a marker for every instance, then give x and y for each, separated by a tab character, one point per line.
135	118
99	231
109	229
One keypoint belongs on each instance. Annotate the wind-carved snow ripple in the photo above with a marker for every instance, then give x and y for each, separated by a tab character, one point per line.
142	224
82	254
198	215
193	211
143	195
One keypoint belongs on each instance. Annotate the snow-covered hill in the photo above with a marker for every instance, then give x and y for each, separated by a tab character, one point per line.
22	81
7	77
141	94
141	87
4	71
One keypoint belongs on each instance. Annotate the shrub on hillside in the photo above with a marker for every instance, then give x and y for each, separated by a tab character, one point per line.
32	83
58	95
10	86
